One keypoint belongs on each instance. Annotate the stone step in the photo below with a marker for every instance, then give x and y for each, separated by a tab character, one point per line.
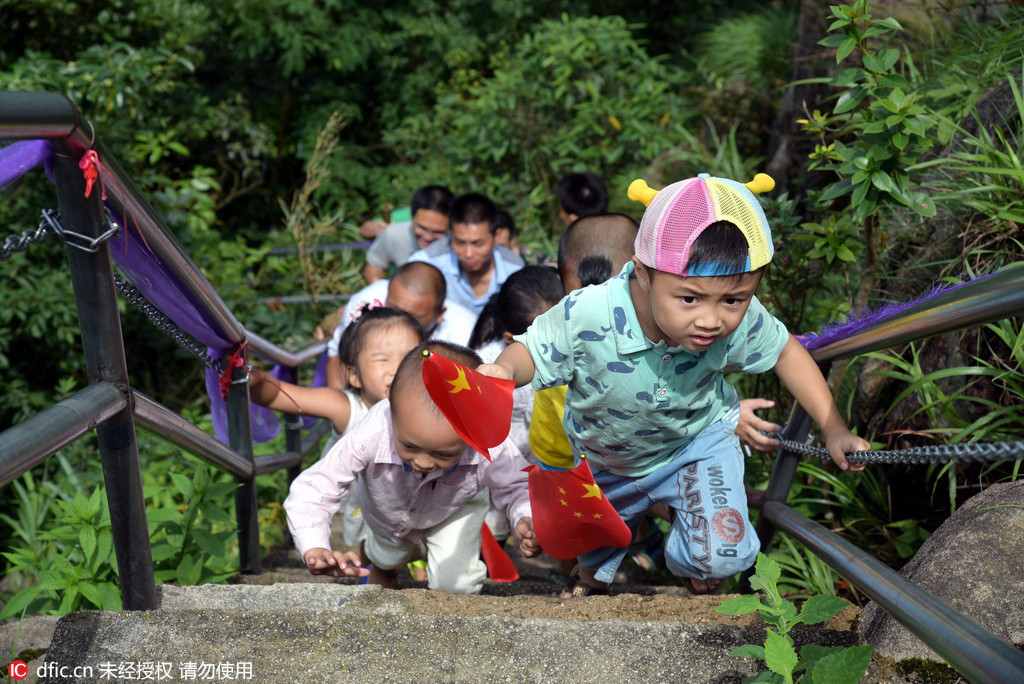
333	632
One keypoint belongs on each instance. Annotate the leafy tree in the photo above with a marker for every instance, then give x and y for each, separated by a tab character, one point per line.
574	94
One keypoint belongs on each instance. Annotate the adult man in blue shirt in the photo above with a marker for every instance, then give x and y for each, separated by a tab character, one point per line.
473	264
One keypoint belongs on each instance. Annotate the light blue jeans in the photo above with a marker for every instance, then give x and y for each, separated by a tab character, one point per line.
711	536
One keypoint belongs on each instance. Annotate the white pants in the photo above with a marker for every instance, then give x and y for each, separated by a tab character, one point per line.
452	548
353	529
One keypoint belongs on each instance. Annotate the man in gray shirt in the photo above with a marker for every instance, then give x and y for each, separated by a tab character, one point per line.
429	222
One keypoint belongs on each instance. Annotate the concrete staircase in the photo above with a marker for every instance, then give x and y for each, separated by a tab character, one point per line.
341	633
287	626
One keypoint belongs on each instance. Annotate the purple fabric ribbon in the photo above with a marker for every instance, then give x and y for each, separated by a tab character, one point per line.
20	157
164	291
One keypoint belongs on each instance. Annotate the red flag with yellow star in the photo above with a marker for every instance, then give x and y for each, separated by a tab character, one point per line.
500	567
479	407
570	513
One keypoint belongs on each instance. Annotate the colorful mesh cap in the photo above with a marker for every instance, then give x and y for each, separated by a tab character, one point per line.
678	214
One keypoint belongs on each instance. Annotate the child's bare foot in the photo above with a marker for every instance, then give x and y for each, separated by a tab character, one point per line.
582	583
701	586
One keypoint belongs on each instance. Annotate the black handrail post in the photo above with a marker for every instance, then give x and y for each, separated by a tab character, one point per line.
246	505
92	278
293	434
293	443
780	482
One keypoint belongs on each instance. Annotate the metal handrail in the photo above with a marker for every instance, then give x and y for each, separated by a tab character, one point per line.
974	652
165	423
108	404
32	441
975	303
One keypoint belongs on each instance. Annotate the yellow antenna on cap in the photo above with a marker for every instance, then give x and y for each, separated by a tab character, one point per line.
639	191
762	183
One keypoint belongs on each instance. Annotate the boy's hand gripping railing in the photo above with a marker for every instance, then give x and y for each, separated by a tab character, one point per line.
974	652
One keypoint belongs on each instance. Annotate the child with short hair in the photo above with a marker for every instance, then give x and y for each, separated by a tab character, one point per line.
644	355
526	294
422	489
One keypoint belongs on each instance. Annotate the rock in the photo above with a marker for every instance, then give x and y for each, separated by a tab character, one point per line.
973	563
27	640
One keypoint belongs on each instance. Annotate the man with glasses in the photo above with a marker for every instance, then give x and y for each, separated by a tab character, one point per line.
429	210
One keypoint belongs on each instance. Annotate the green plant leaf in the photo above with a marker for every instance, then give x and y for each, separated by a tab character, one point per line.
69	600
87	540
189	571
883	182
740	605
19	602
833	40
163	551
820	609
873	63
91	593
844	49
748	651
779	654
812	653
842	666
208	543
836	190
183	484
850	99
767	568
892	81
161	515
110	596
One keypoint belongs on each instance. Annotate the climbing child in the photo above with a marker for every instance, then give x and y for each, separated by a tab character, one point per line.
525	295
371	347
643	356
422	489
591	250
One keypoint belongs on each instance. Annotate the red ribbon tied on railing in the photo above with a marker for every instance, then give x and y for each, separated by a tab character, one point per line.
90	165
235	360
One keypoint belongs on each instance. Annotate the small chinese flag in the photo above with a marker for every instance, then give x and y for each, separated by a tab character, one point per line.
500	567
478	406
570	513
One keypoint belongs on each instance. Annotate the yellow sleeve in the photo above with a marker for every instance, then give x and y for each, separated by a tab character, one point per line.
547	436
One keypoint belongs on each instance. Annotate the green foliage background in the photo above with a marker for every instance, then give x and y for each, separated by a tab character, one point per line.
215	110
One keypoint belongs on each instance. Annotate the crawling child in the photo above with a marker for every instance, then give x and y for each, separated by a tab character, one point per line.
422	490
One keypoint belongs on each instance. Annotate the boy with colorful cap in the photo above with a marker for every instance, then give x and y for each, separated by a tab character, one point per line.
644	355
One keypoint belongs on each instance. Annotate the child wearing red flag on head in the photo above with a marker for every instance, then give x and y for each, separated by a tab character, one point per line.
423	490
643	357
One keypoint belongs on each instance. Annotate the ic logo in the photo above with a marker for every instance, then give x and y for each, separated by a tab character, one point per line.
17	670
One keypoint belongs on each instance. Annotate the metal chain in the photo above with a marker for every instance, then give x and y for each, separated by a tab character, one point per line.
50	224
939	453
20	243
164	324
